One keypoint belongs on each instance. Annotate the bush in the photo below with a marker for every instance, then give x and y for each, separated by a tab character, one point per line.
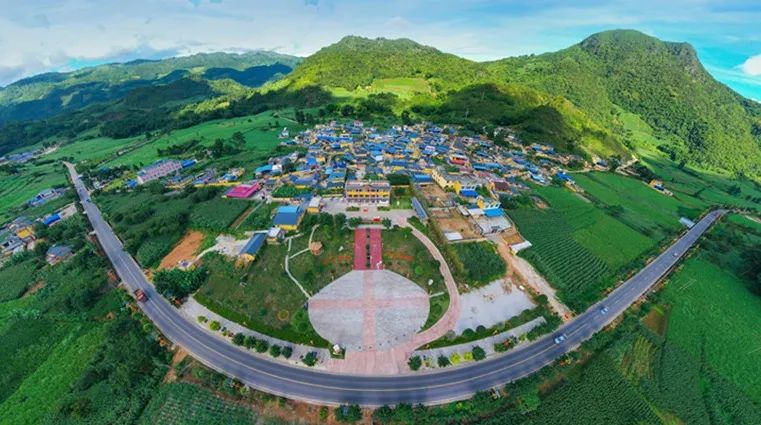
275	350
443	361
478	353
239	339
262	346
455	358
324	413
415	362
215	325
249	342
287	352
310	359
348	413
202	319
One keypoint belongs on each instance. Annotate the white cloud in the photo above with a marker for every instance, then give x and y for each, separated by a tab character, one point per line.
752	66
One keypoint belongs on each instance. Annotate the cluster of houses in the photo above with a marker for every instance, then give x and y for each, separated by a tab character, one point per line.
19	235
358	166
24	157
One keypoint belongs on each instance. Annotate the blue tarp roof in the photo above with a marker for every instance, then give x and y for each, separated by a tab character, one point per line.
470	193
51	219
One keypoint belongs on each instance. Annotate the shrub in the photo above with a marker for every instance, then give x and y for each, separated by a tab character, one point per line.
249	342
310	359
455	358
202	319
443	361
478	353
324	413
415	362
215	325
287	352
275	350
262	345
239	339
348	413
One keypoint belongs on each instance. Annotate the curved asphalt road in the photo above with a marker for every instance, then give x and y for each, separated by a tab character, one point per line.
430	387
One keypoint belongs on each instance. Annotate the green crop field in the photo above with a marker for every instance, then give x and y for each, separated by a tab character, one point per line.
188	404
576	245
16	189
151	223
642	208
260	137
715	318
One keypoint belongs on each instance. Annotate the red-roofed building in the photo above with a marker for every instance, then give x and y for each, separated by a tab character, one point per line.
243	191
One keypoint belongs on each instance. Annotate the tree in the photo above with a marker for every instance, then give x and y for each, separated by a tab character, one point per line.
239	339
355	221
350	414
443	361
415	362
287	352
239	138
324	413
386	222
249	342
310	359
478	353
275	350
262	345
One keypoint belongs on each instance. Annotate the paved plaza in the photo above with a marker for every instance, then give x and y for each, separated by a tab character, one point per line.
369	310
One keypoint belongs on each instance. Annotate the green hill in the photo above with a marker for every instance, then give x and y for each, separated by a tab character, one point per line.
699	119
48	94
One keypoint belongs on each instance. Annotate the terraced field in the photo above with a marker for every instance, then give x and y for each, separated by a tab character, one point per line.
577	246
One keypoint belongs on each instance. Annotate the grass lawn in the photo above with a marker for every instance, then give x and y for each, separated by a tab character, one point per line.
401	198
262	297
577	246
403	253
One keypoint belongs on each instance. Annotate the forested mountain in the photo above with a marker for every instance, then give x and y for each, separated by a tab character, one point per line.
48	94
664	83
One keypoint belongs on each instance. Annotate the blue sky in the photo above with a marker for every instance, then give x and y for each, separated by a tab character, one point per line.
44	35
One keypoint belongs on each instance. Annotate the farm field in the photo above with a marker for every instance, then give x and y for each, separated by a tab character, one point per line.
577	246
260	138
188	404
16	189
55	340
641	207
151	223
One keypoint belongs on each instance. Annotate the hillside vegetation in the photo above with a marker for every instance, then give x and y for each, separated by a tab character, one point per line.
663	83
48	94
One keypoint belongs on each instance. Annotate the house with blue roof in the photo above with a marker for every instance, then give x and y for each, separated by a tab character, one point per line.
253	246
288	217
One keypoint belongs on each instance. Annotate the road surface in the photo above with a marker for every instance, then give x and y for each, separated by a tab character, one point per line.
429	387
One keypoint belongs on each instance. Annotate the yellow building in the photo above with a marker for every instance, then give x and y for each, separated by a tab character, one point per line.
368	192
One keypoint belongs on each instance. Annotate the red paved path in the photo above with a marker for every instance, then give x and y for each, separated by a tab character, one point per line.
360	249
376	249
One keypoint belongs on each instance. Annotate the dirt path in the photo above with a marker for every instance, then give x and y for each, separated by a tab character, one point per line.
526	272
185	250
241	218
